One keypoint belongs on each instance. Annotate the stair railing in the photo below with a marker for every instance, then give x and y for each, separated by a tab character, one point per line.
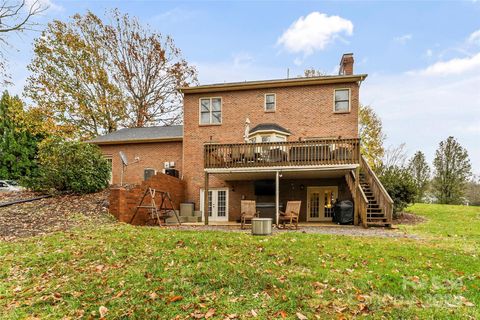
384	200
360	198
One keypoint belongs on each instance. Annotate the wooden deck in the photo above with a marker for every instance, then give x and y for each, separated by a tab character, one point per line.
321	152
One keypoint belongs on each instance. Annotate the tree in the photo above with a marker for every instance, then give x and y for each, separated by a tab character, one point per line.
148	68
400	185
395	156
18	140
70	166
420	171
452	170
372	136
97	77
15	17
71	81
473	191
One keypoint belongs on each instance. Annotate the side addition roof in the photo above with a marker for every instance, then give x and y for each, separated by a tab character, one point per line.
139	135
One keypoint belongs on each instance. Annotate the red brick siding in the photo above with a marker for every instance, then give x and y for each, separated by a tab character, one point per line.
152	155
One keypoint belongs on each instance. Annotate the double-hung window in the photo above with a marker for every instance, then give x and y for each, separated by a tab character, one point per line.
270	102
210	111
342	100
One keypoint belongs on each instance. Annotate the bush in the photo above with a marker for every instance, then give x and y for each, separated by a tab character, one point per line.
400	185
70	166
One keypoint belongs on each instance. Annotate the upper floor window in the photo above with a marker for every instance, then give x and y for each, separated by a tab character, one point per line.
210	110
342	100
270	101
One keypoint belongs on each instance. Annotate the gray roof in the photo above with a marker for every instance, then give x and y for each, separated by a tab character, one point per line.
269	127
132	135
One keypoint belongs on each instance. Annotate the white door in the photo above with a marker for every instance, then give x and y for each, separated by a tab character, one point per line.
217	204
320	202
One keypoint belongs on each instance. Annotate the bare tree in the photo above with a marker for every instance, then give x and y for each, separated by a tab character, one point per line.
15	16
395	156
149	68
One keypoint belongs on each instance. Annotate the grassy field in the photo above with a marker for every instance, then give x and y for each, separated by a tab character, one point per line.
121	272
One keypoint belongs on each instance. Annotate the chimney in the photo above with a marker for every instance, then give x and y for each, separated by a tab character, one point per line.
346	65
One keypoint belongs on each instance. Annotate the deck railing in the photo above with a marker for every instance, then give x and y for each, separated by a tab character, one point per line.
282	154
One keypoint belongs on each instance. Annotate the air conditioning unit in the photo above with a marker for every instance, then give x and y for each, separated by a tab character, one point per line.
166	165
172	164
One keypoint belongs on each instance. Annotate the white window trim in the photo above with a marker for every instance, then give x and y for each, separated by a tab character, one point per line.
109	157
200	111
349	100
274	102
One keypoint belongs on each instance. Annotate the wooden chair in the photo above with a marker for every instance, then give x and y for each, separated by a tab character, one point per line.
249	211
290	216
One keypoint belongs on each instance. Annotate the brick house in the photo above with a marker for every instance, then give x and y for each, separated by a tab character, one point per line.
269	141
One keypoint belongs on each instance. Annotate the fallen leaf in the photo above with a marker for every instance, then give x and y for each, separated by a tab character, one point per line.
254	313
210	313
175	298
103	311
301	316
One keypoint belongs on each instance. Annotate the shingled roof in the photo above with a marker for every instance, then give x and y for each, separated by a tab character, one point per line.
137	135
269	127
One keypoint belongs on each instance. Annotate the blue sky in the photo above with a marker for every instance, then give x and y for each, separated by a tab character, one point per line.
423	58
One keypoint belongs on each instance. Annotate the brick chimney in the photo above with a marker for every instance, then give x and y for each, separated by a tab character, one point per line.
346	65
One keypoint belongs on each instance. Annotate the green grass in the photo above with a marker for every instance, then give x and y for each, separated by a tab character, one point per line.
138	272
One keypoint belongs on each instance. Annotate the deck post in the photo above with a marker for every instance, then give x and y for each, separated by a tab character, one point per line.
356	196
205	200
277	197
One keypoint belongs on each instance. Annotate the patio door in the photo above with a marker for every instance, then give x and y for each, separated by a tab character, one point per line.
320	202
217	204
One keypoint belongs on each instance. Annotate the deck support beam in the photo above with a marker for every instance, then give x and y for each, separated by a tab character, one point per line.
205	199
277	197
356	197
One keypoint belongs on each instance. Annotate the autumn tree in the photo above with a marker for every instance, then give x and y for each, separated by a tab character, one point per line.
71	80
420	171
15	17
148	68
98	76
372	136
452	170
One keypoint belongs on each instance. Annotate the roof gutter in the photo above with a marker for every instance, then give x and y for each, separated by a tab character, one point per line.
235	86
133	141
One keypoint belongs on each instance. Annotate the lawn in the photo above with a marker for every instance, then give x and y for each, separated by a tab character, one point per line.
121	272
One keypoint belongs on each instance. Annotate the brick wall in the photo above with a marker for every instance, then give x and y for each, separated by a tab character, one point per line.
152	155
307	111
123	201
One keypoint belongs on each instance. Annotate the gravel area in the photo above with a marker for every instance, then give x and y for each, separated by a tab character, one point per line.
333	230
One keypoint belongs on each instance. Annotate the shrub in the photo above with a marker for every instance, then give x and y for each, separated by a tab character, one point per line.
400	185
70	166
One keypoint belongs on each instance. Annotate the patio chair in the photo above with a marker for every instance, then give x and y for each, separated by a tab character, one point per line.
290	216
249	211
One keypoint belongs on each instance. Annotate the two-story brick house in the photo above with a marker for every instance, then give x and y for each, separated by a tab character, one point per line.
271	141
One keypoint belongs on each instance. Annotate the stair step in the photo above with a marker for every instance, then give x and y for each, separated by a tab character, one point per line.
376	218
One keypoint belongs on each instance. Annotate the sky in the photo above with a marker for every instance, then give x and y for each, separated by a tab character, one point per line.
422	58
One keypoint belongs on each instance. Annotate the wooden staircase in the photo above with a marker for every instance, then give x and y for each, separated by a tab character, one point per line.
375	215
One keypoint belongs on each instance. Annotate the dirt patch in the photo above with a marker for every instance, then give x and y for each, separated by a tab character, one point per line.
12	196
408	218
51	214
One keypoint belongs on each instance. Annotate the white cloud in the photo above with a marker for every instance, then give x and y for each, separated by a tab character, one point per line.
452	66
474	38
314	32
429	53
403	39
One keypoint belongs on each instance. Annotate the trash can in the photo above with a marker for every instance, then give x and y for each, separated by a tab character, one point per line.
261	226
